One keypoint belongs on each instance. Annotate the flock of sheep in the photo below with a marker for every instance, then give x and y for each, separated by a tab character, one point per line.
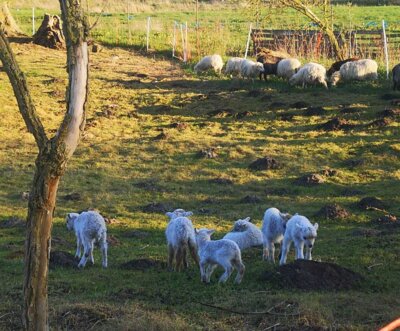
183	238
292	70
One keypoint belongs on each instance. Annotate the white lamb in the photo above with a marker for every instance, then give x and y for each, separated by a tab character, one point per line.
209	62
273	229
180	238
245	234
233	66
89	228
250	69
213	253
309	74
356	70
288	67
300	231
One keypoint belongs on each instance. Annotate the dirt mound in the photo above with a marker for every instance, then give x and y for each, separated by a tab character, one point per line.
264	163
390	113
352	163
254	93
336	124
13	222
221	181
250	199
310	180
62	259
333	211
315	111
162	136
329	172
75	196
286	117
371	203
179	125
349	192
350	110
300	105
221	113
156	207
243	114
208	153
277	105
387	220
312	275
141	264
380	123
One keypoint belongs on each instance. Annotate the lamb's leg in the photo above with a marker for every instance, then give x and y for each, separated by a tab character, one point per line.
265	248
86	254
104	249
78	247
299	250
308	253
228	271
91	252
271	249
239	266
210	270
285	249
203	273
171	255
193	253
178	258
185	256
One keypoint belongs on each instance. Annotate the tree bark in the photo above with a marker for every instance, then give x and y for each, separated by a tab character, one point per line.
11	28
50	34
52	158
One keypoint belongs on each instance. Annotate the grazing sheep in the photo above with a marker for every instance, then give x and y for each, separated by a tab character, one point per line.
300	231
89	227
336	66
233	66
213	253
245	234
357	70
396	77
269	69
309	74
288	67
180	238
210	62
250	69
273	229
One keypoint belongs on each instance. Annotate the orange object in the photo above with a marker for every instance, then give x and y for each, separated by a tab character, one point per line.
392	326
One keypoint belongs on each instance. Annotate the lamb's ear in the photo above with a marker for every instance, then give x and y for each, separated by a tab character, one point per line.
248	219
196	231
188	213
169	214
316	226
69	216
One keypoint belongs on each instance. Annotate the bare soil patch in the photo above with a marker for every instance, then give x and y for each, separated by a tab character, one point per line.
380	123
336	124
221	113
142	264
329	172
264	163
156	207
310	180
333	211
162	136
372	203
179	125
62	259
75	196
312	275
208	153
390	113
300	105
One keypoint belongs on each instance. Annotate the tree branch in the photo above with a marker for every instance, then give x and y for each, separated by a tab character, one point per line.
76	31
20	87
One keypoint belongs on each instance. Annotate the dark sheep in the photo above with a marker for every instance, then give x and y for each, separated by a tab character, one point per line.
269	69
336	66
396	77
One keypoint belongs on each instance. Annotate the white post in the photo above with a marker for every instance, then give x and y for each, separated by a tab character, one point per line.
186	42
33	21
248	41
174	40
386	49
183	44
148	33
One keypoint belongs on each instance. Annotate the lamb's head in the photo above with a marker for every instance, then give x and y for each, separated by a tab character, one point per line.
335	78
284	218
70	219
241	225
203	235
178	213
308	234
293	80
259	67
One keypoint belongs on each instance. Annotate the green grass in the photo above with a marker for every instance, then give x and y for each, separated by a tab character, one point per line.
120	151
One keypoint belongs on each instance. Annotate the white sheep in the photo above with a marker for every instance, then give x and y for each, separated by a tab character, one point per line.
309	74
273	229
89	227
365	69
209	62
180	238
250	69
213	253
233	66
300	231
245	234
288	67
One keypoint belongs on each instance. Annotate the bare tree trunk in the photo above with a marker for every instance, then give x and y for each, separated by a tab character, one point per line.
11	28
52	158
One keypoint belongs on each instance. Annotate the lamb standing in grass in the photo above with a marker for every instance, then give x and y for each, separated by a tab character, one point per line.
309	74
89	228
250	69
300	231
365	69
245	234
209	62
180	238
212	253
233	66
273	229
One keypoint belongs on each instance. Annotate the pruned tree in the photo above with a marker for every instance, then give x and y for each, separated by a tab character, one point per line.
53	154
50	33
305	7
7	20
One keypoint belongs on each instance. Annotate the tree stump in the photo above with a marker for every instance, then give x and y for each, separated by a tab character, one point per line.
7	21
50	33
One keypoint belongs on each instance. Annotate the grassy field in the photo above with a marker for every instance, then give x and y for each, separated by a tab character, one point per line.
121	166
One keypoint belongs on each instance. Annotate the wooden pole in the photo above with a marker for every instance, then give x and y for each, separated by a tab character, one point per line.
385	49
248	41
183	43
148	34
186	42
174	40
33	21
